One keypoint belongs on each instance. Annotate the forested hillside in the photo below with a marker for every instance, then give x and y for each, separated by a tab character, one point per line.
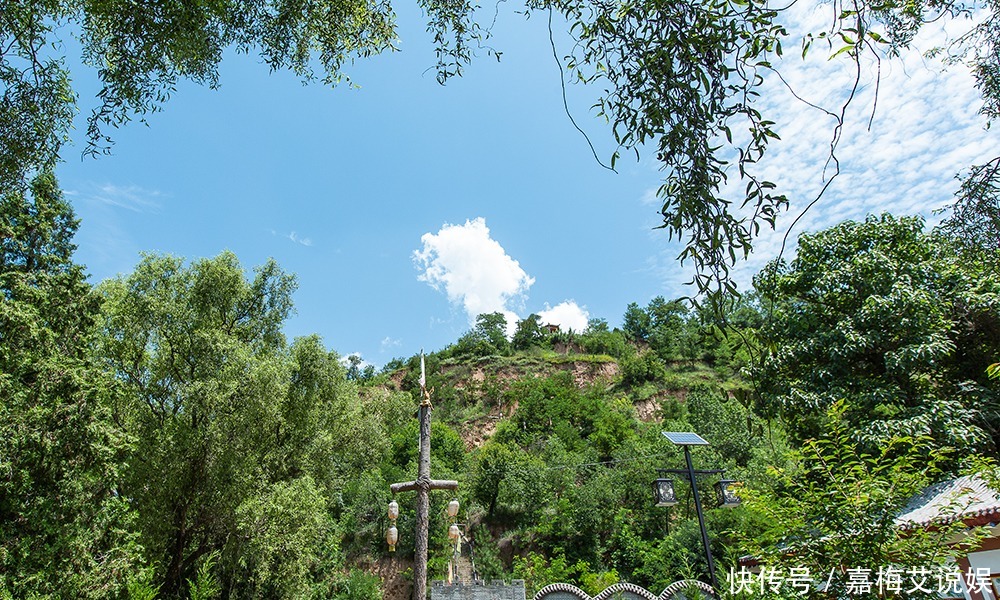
161	438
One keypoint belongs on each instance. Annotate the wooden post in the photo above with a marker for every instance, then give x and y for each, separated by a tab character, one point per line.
423	485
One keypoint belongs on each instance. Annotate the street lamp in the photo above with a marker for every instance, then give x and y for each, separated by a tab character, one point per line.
664	495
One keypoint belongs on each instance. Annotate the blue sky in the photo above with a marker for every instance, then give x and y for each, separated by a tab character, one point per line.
404	206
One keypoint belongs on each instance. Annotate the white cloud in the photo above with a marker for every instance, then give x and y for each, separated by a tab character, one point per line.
129	197
106	212
567	315
389	343
476	273
295	238
472	269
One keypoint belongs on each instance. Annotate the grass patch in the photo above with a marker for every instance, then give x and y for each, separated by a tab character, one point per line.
686	376
562	359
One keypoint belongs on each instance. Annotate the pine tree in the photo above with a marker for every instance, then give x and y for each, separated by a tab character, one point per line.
63	527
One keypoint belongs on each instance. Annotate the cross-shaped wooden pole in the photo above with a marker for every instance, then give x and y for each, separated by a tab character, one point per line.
423	485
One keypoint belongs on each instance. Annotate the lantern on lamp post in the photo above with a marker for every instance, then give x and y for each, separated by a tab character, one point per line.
454	534
392	534
725	489
391	537
663	492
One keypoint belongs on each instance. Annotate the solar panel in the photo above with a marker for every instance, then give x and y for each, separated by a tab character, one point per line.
685	438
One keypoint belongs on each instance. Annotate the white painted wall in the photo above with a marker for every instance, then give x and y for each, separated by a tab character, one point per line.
988	559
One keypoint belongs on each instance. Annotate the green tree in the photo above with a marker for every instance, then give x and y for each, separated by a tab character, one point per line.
974	220
639	367
599	340
730	428
614	425
325	430
447	448
64	523
670	328
538	570
597	325
492	329
837	508
636	323
672	331
356	585
889	320
493	463
528	333
487	338
239	439
551	406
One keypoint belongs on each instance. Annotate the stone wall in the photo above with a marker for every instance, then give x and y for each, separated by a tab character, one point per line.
478	590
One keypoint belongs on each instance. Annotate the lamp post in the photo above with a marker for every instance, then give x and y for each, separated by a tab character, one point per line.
423	484
664	494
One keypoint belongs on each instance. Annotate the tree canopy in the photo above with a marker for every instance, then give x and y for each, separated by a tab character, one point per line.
828	337
241	441
836	507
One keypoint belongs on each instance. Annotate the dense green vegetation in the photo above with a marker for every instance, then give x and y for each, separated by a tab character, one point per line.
160	438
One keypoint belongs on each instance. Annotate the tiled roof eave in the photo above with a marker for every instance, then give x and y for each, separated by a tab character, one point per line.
974	515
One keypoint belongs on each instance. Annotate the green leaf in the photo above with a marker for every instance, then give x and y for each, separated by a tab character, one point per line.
840	51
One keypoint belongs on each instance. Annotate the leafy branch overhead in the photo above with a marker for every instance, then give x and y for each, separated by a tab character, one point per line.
684	80
140	55
680	79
